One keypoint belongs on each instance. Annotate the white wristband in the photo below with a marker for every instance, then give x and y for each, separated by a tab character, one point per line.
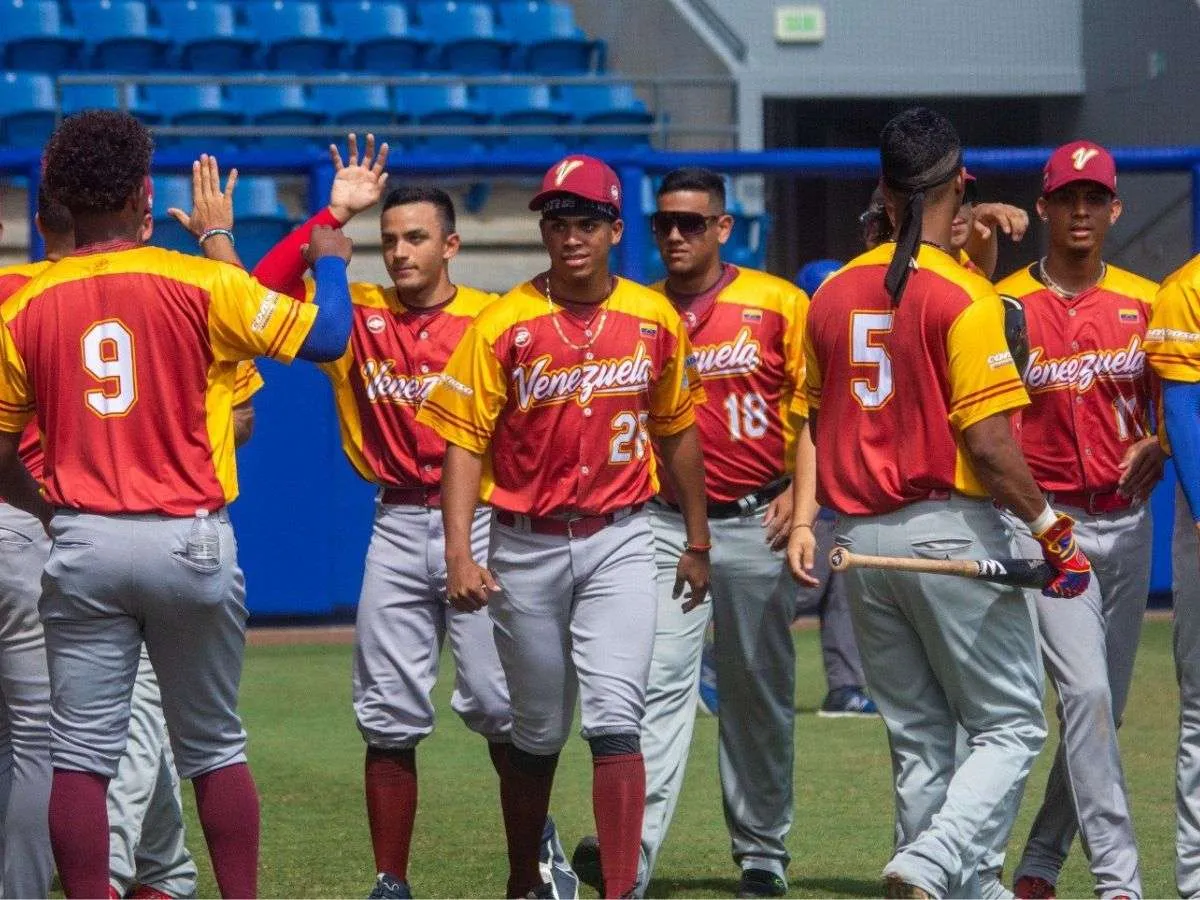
1045	519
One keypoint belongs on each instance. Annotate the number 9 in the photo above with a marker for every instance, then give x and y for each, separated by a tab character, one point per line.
108	357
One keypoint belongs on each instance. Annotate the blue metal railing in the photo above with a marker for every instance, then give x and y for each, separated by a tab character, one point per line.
633	167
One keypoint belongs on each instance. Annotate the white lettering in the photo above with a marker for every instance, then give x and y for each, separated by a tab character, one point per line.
1081	370
536	384
385	384
740	356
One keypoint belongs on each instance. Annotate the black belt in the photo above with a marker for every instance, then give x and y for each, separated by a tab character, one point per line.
743	506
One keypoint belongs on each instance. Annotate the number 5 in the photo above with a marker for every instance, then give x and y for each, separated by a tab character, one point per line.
864	351
108	357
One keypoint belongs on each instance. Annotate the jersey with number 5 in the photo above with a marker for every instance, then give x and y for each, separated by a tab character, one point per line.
562	405
1087	377
129	355
746	337
896	385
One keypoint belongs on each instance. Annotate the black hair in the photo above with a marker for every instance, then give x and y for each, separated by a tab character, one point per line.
96	160
694	178
417	193
53	216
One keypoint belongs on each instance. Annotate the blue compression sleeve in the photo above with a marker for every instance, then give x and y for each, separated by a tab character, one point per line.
330	331
1181	400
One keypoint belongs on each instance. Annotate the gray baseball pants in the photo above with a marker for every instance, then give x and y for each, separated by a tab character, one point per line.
574	618
1089	644
942	652
145	814
753	598
26	862
403	617
1185	552
112	581
839	651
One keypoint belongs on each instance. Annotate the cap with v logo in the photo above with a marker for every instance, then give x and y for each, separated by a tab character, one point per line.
581	176
1079	161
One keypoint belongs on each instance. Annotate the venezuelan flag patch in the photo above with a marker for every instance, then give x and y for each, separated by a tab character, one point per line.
1129	315
648	329
751	315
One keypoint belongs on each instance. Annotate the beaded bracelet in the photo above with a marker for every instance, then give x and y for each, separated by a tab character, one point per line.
697	548
213	232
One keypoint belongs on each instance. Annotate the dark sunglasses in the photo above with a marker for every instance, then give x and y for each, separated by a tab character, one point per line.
689	224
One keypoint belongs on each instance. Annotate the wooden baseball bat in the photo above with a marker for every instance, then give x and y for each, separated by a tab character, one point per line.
1032	573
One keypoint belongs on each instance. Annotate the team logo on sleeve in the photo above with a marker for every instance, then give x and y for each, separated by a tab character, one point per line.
265	309
539	385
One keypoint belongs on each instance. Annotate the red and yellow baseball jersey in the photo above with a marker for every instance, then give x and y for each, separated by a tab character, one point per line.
1088	383
396	356
563	403
129	357
1173	338
12	279
747	341
895	385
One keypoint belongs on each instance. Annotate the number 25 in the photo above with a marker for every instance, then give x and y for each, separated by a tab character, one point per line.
108	357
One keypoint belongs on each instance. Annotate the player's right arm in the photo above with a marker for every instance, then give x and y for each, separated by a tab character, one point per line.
17	486
463	408
984	389
357	186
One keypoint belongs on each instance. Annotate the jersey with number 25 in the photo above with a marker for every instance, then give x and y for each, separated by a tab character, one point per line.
128	355
895	386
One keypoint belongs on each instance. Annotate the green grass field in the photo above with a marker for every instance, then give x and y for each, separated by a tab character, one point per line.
307	758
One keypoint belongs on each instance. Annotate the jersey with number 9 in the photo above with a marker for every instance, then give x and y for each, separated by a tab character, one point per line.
129	356
896	385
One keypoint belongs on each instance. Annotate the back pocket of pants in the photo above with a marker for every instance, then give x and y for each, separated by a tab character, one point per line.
944	548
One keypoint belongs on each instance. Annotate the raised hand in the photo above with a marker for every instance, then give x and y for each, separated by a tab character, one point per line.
1012	220
212	207
358	183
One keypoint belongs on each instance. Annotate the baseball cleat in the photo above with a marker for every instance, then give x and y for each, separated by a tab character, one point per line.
389	887
553	865
708	699
1030	887
848	703
760	883
586	863
896	887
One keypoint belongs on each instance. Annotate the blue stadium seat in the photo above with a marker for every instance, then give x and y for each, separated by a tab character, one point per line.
525	105
77	97
261	220
468	38
354	104
551	43
608	104
191	105
27	109
277	105
172	190
119	35
293	35
442	104
34	38
747	245
379	36
208	36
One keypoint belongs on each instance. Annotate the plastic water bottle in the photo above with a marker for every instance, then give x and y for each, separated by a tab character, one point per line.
203	543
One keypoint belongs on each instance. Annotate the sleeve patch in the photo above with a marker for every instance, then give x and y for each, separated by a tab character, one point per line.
265	309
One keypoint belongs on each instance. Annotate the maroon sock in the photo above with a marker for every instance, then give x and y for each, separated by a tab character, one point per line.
227	803
391	783
499	754
79	832
525	784
619	802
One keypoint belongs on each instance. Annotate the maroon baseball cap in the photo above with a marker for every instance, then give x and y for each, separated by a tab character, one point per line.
1079	161
583	177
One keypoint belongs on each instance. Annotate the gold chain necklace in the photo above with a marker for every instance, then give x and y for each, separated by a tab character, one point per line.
1058	288
592	335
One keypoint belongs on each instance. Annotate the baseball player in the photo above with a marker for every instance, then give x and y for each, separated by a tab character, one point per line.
402	337
910	384
1089	442
127	355
745	327
548	407
148	856
1173	351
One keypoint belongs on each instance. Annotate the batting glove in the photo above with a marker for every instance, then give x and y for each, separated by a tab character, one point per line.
1060	550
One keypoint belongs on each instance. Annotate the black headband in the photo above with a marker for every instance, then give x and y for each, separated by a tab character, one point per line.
908	230
574	205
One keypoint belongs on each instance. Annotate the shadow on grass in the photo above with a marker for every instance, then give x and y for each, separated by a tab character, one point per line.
727	887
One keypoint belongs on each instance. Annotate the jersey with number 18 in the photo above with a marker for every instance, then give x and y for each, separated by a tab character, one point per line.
895	386
129	356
